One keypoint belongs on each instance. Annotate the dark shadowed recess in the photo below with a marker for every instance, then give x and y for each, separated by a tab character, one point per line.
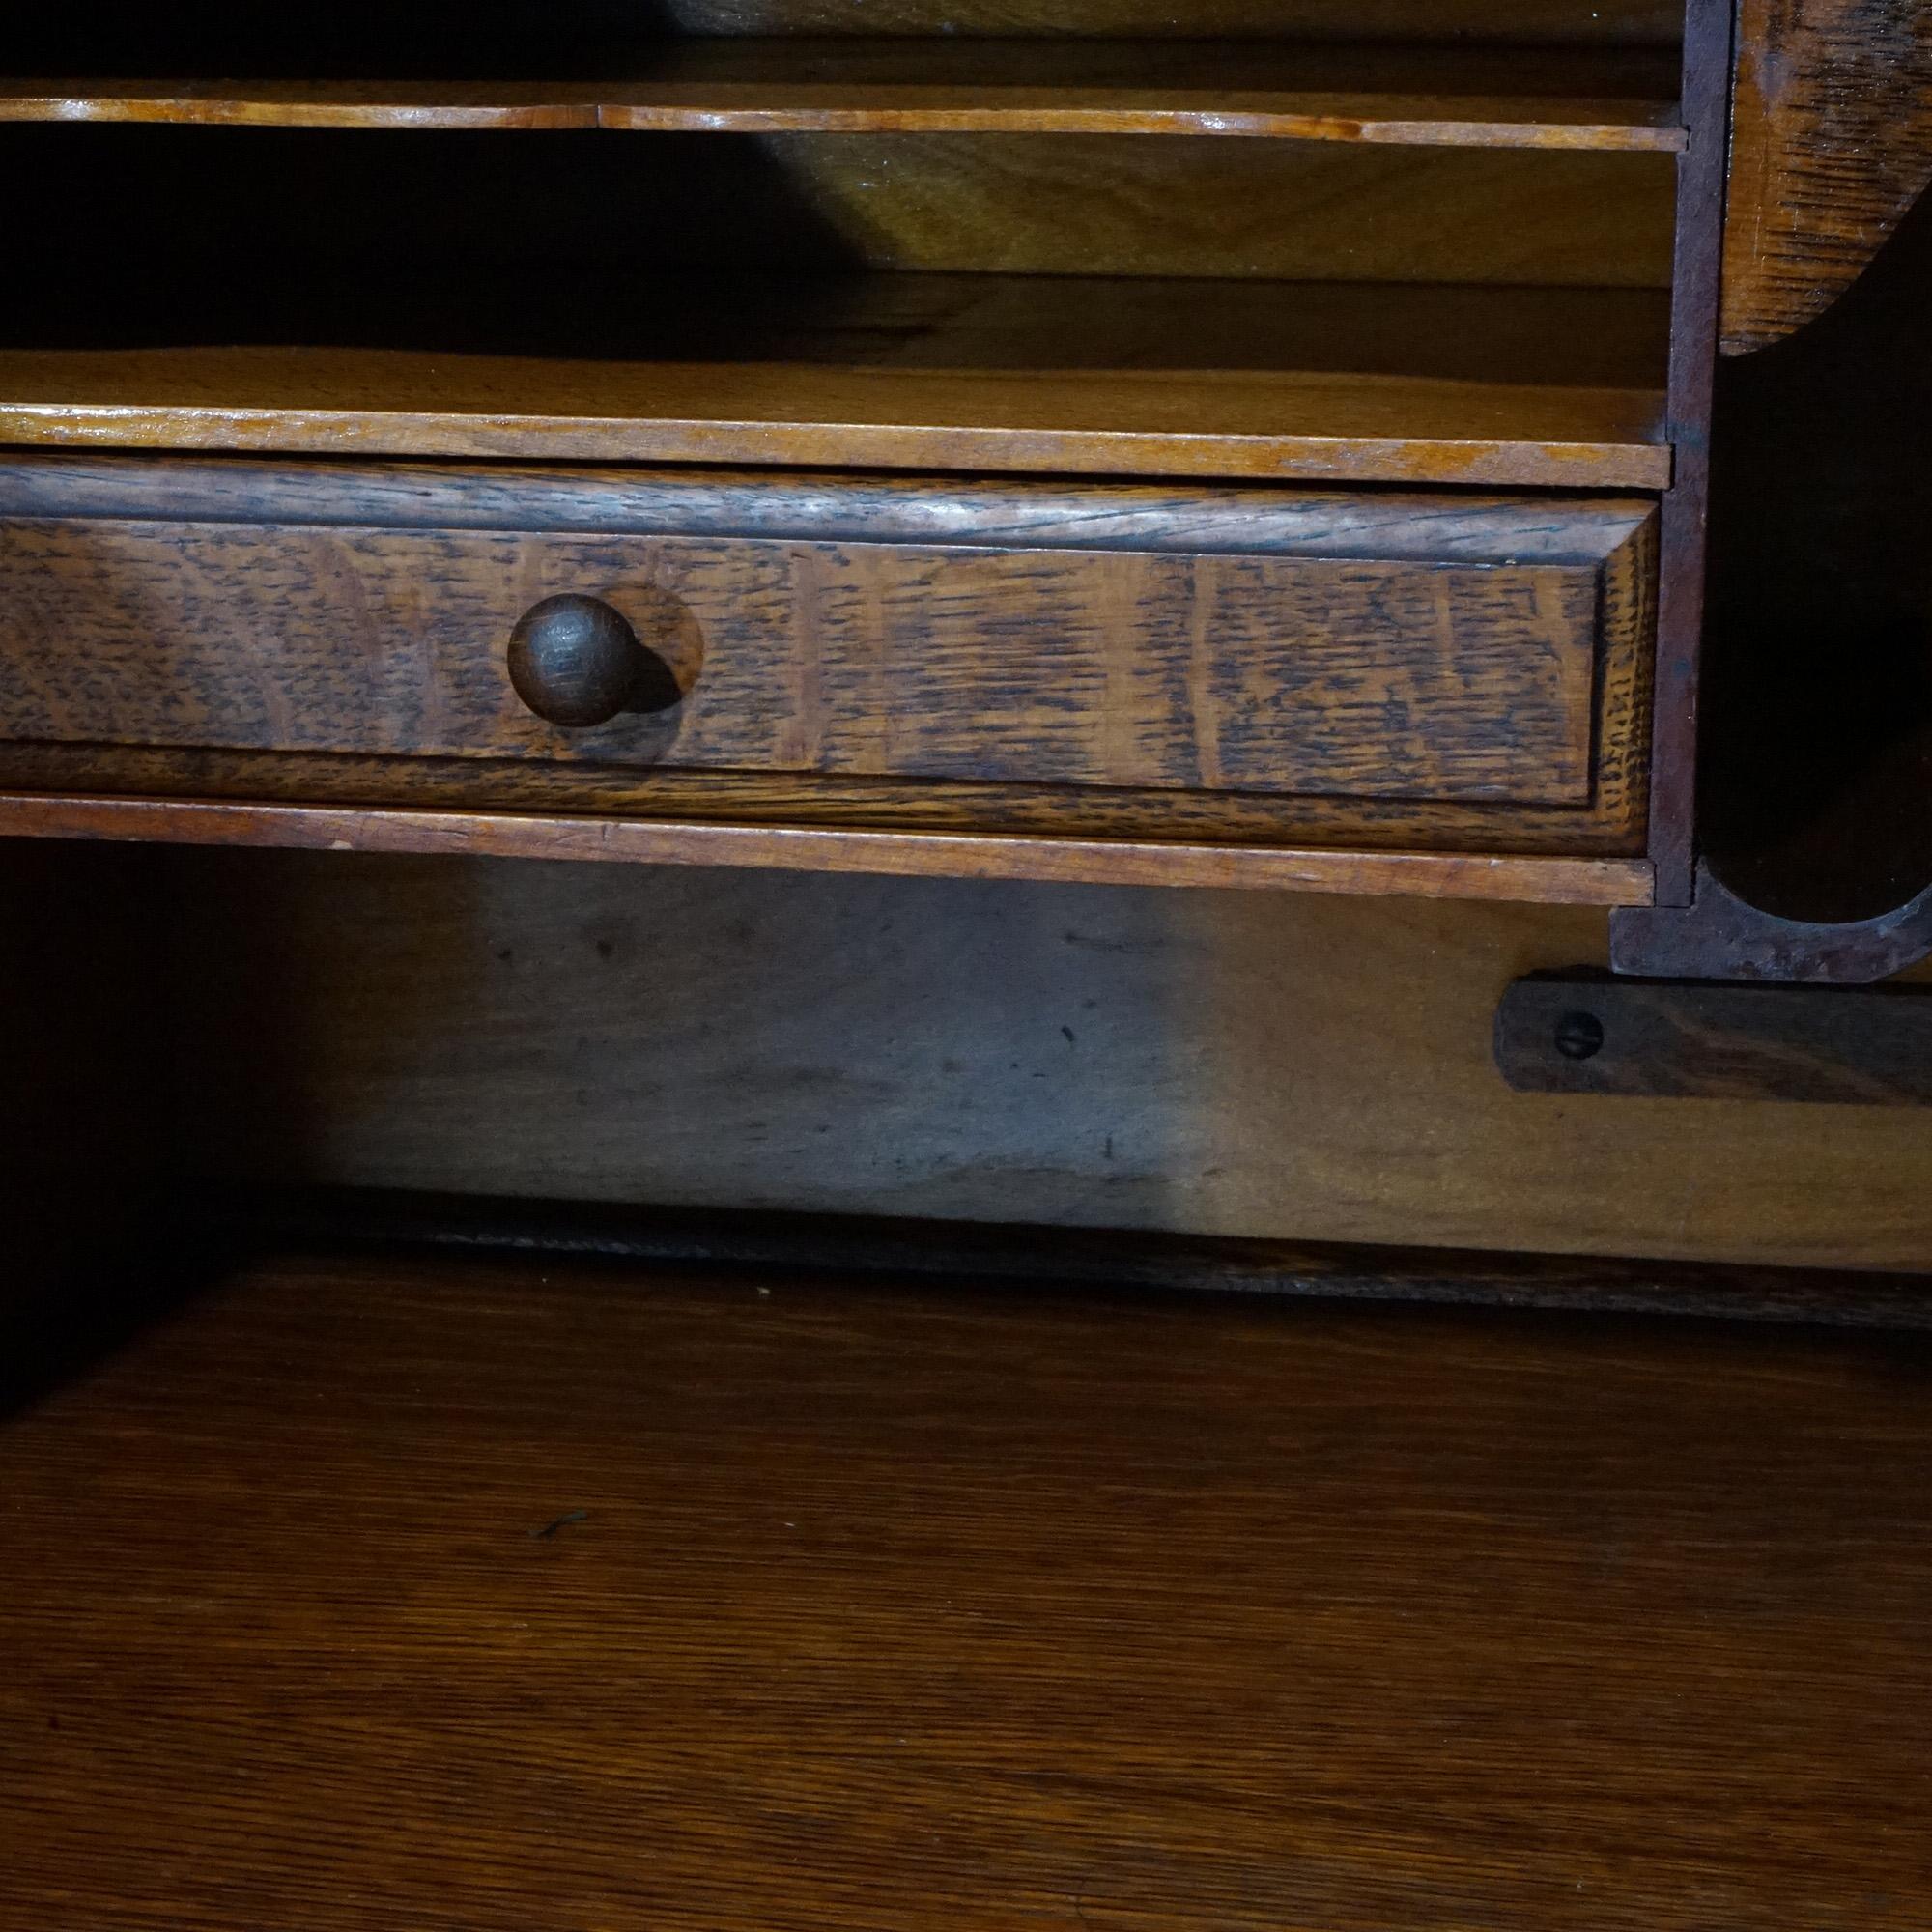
1818	705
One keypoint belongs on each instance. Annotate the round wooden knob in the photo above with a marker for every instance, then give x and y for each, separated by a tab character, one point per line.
577	662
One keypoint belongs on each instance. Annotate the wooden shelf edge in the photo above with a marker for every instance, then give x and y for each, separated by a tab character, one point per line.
251	1219
1472	875
1497	463
1606	126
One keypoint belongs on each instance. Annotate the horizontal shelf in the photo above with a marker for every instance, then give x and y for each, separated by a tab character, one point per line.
1363	384
1433	96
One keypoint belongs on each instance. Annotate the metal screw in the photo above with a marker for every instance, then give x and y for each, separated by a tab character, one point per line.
1579	1036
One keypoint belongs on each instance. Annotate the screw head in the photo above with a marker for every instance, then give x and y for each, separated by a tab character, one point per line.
1579	1036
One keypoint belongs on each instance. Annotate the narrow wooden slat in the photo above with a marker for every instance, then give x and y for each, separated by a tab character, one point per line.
303	103
1433	97
1609	882
1150	519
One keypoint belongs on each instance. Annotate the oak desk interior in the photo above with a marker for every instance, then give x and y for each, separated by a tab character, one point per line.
1026	446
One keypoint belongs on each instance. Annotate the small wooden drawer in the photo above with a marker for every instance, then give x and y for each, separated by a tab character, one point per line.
1267	646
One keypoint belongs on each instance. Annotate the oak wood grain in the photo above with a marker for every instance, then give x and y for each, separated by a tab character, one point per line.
405	242
1831	143
326	637
1610	826
1285	1066
1040	328
1412	677
1286	425
799	848
1433	96
515	1595
1068	514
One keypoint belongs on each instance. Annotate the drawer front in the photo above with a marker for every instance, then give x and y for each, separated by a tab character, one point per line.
1406	677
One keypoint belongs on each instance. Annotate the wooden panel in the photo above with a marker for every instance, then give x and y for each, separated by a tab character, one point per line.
1056	668
1246	424
1143	532
1282	1067
392	242
1683	566
1184	337
1467	529
1435	97
1831	144
445	1594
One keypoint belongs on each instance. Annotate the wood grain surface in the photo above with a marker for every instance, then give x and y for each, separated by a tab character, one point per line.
518	1597
1414	676
1439	526
1282	424
1439	96
1481	875
403	243
1263	1066
523	791
1684	563
1831	144
1093	529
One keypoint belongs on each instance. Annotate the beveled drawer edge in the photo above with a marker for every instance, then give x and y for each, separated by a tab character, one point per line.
1471	875
1409	525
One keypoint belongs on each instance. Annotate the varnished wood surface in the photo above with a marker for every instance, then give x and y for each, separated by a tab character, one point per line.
1403	675
1433	97
798	848
1266	1066
524	1597
1684	563
1244	423
404	243
1831	144
1041	327
1069	514
1102	524
1611	827
1259	674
